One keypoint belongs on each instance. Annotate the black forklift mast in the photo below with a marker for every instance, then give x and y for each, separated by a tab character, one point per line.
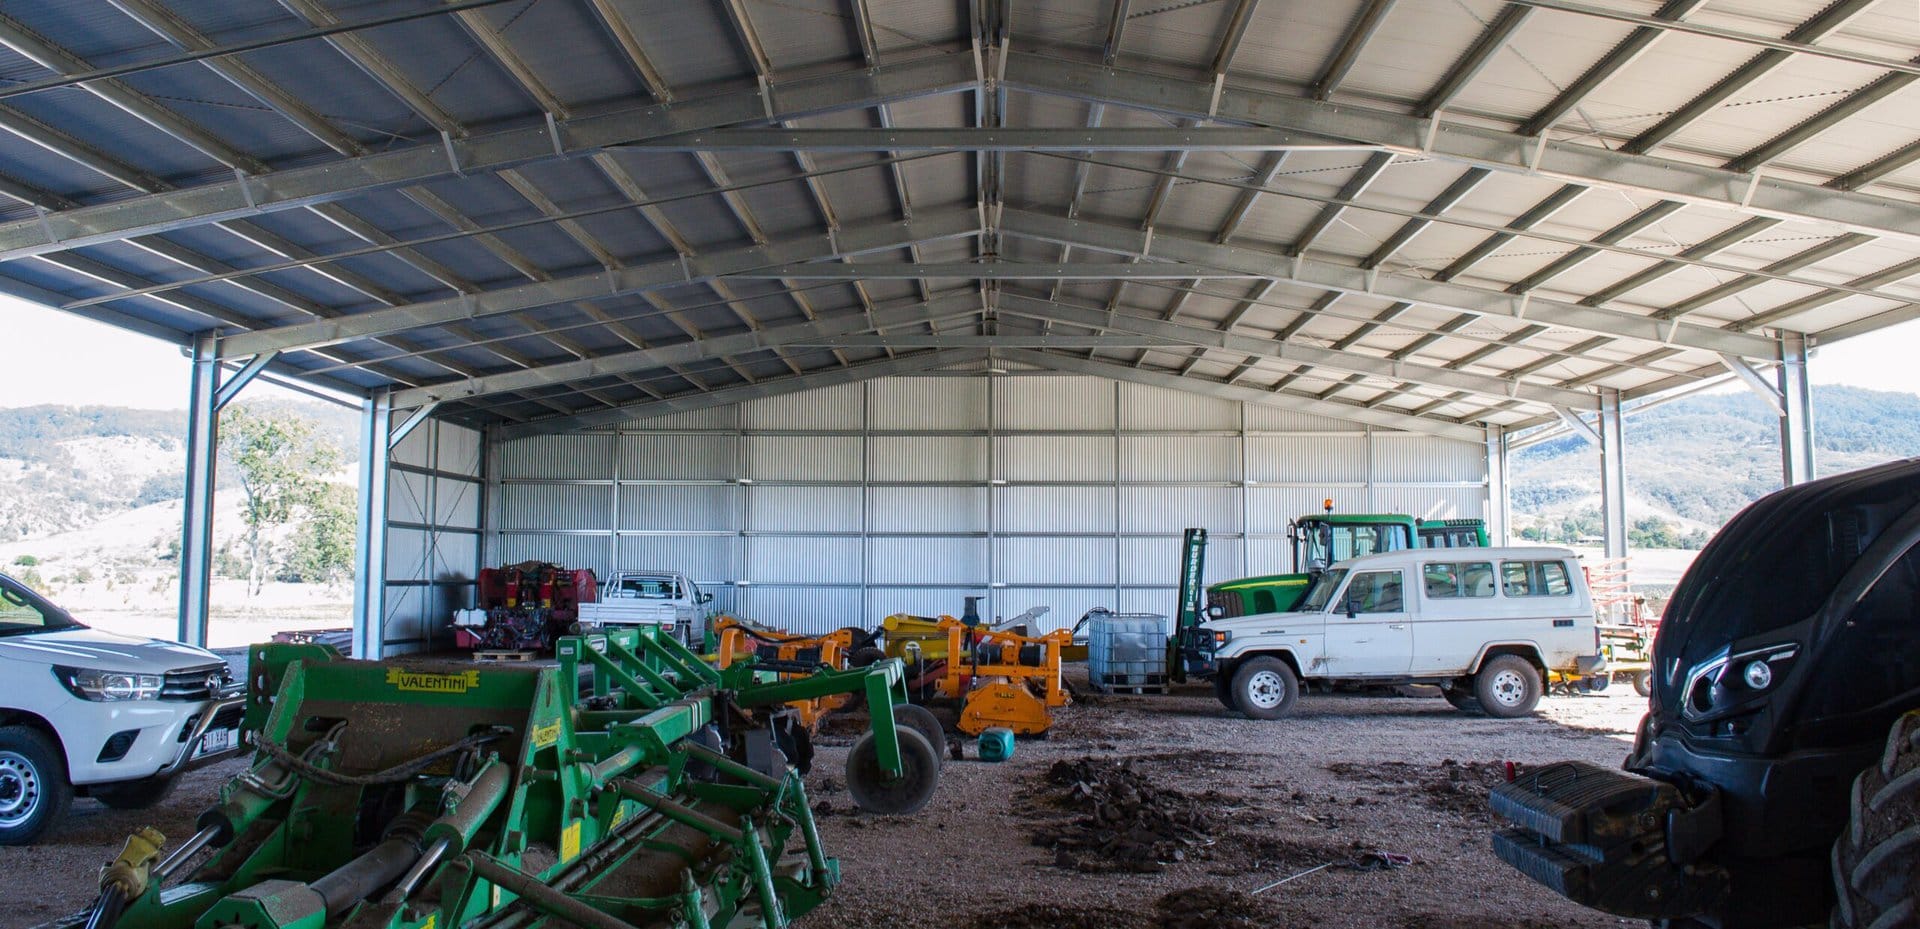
1192	609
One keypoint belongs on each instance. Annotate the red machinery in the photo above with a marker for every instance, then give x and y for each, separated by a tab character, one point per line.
524	606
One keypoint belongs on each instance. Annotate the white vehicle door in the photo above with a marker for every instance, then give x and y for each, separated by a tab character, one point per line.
1459	609
1369	630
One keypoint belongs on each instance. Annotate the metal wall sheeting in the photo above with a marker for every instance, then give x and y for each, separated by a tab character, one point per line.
839	506
434	503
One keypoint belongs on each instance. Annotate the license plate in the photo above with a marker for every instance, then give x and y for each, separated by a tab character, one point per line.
216	741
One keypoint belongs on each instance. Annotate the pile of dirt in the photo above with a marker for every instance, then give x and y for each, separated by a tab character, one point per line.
1049	916
1453	786
1132	824
1211	908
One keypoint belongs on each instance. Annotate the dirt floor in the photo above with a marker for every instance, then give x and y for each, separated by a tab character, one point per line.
1245	804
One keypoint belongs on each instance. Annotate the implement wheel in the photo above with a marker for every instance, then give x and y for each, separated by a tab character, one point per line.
1643	683
1876	862
877	792
921	720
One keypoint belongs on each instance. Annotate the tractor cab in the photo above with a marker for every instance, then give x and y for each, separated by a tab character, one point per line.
1321	540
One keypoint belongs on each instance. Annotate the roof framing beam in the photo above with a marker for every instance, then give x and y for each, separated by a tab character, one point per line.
348	177
949	306
1294	352
931	226
772	387
1386	419
1664	21
972	139
1327	275
1743	192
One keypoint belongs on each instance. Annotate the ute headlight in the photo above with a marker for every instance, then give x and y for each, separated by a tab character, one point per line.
109	686
1758	675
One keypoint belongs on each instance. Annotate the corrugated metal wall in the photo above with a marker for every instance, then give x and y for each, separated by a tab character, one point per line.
434	504
838	506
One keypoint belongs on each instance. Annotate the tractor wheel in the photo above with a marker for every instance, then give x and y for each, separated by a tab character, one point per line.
1462	699
1264	688
1876	862
1643	683
33	784
134	795
863	657
921	720
875	791
1507	687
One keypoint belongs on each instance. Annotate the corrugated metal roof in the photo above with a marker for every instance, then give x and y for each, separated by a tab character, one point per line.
517	250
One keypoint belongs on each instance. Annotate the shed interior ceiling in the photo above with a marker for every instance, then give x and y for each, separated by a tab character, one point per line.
545	215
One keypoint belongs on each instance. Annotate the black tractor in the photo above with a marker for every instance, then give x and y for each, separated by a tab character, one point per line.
1764	789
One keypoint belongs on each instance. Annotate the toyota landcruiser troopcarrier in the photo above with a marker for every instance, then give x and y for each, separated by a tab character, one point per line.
98	714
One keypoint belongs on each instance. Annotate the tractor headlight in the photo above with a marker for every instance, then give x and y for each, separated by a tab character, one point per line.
1758	675
1730	681
108	686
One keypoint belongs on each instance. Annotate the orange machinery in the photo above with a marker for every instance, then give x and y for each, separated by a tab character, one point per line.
1003	678
787	656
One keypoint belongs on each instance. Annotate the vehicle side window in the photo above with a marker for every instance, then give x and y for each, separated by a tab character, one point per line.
1376	592
16	610
1456	580
1535	579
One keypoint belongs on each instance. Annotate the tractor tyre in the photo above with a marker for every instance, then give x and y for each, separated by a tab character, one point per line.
1264	688
1643	683
876	791
134	795
1507	687
922	720
1462	699
865	656
33	784
1876	862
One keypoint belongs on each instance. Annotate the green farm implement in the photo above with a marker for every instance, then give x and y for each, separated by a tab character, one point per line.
629	786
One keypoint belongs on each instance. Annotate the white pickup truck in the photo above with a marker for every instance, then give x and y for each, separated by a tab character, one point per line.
107	716
650	598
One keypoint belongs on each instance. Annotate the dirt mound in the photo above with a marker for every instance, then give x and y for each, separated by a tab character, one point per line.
1456	787
1049	916
1132	824
1211	908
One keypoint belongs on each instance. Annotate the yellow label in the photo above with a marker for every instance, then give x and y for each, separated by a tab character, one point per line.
431	920
423	682
570	841
546	735
619	815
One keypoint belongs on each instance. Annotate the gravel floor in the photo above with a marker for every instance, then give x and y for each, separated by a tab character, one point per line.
1341	776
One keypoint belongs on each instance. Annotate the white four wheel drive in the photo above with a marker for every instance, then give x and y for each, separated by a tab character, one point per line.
1485	624
651	598
112	717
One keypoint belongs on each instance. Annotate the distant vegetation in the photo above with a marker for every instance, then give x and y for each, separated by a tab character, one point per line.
1696	462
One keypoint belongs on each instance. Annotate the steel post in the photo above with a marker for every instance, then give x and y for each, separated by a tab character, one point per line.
1796	413
1499	511
1613	474
196	521
370	539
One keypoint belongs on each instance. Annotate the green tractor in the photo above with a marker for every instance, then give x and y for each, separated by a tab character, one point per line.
1321	539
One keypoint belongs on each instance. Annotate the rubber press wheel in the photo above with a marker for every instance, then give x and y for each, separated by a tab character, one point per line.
1876	862
878	792
922	720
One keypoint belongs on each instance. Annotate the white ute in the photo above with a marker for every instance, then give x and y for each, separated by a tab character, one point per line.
1484	624
110	716
650	598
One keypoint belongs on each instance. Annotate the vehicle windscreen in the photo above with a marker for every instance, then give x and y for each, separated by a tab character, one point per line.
1321	591
1327	544
22	612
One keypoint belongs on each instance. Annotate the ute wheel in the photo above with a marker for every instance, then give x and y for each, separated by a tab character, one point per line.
877	792
863	657
1507	687
921	720
1643	683
33	784
1876	862
1264	688
1223	689
1463	700
133	795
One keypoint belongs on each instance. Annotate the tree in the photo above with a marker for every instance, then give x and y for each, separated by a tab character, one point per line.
281	465
322	548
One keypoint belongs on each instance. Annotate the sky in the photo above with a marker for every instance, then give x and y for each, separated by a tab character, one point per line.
60	358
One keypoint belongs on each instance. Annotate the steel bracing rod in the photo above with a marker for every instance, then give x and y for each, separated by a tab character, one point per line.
1472	145
1292	352
700	349
1331	276
996	139
928	227
335	180
237	48
1387	419
772	387
1667	24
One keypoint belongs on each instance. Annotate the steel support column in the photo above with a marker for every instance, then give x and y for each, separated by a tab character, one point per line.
1796	413
196	519
370	538
1613	475
1499	501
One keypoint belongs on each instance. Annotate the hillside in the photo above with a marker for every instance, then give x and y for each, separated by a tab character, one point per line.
1693	463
